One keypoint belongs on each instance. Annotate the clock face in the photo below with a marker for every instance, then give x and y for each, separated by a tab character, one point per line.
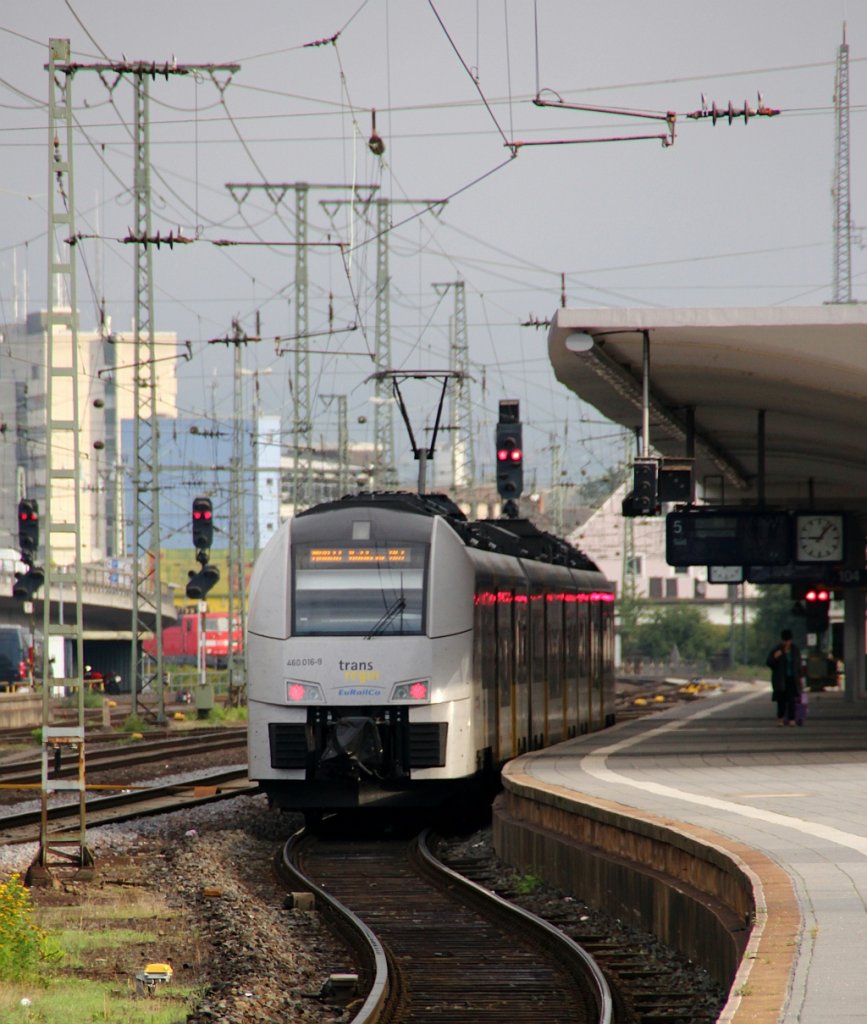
819	537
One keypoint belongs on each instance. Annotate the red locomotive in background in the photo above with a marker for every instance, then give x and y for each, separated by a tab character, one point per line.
181	642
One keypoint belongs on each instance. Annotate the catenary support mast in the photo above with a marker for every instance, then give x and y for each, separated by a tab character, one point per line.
147	593
842	290
61	511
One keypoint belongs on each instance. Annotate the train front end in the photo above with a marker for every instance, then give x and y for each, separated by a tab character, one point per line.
359	659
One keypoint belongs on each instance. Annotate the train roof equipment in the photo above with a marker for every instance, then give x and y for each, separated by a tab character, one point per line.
518	538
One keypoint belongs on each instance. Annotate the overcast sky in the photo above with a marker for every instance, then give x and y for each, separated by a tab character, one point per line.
727	216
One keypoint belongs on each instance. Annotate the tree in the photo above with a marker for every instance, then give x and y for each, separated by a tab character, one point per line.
773	614
598	489
682	626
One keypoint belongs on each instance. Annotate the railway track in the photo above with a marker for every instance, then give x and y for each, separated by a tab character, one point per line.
650	988
28	771
93	723
136	802
438	946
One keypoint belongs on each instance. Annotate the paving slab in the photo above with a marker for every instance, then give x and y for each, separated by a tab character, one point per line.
798	795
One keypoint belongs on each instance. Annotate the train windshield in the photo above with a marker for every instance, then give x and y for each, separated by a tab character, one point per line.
360	590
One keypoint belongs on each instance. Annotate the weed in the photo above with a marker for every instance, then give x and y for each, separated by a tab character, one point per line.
135	723
80	1001
219	713
105	939
528	883
25	948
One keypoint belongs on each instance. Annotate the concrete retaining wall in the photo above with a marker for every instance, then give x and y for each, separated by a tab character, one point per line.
18	710
690	895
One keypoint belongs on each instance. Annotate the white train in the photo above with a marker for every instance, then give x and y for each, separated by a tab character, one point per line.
396	650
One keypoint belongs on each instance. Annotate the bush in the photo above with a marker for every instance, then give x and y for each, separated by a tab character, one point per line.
24	947
682	627
220	713
135	723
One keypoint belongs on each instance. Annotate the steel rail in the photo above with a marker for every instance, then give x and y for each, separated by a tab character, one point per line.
128	804
386	998
29	771
551	934
352	929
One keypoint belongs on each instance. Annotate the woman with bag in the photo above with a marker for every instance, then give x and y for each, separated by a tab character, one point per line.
784	661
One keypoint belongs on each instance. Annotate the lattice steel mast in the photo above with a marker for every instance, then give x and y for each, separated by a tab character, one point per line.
342	441
61	512
842	289
384	462
302	424
302	420
147	592
557	490
460	400
237	526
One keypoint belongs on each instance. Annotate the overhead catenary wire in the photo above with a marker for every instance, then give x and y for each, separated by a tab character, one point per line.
469	73
460	259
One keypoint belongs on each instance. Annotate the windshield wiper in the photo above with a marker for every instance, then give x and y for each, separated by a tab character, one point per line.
395	608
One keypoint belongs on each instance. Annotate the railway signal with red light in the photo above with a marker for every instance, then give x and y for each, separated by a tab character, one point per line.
510	452
28	529
817	604
203	524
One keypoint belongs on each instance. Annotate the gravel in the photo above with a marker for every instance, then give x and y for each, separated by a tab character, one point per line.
257	961
673	972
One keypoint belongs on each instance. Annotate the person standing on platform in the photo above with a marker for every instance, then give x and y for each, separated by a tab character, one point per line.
784	661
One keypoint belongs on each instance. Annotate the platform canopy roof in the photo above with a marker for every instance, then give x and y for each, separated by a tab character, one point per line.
774	399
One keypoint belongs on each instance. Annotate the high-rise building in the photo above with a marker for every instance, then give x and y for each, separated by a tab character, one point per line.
105	393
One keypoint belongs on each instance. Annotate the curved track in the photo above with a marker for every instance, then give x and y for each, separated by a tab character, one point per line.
440	947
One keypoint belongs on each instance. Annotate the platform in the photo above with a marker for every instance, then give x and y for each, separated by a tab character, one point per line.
797	795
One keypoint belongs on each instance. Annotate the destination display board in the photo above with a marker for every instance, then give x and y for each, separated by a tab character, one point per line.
728	537
355	555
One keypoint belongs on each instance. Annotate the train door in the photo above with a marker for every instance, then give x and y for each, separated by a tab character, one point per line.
571	714
584	691
608	682
521	648
554	731
538	689
485	673
597	711
505	676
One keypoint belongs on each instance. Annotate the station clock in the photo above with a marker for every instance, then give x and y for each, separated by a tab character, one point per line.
819	537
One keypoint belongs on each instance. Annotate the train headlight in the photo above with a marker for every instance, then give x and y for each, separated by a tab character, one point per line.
418	690
303	693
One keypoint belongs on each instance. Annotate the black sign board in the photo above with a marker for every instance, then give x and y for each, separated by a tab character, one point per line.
785	573
728	537
831	575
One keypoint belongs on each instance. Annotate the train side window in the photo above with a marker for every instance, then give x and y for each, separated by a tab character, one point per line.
570	661
505	670
489	648
537	612
554	611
